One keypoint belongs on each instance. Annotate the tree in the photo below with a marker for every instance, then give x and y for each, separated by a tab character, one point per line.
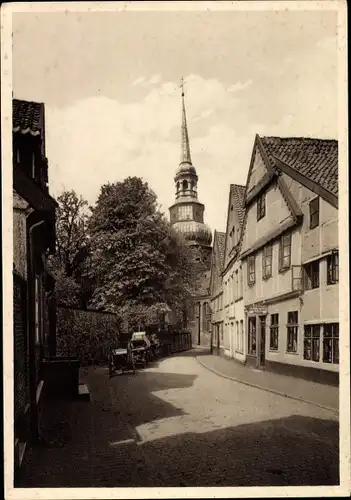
72	249
141	267
71	231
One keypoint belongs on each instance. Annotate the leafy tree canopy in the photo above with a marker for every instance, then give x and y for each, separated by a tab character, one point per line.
141	266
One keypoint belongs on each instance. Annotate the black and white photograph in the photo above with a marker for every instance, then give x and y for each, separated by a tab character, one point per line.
175	195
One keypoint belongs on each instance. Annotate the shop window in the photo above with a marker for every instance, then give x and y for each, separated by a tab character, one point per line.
267	256
274	332
292	331
333	268
331	343
285	252
311	346
252	335
314	213
261	206
251	274
312	275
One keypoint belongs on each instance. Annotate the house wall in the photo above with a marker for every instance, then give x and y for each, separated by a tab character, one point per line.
277	213
314	306
19	235
234	313
280	282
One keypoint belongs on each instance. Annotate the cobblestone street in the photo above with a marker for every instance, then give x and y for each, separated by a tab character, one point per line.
178	424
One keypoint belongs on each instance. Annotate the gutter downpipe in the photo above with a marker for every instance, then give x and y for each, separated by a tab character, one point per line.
34	414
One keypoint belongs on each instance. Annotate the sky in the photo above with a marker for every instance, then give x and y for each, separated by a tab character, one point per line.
110	84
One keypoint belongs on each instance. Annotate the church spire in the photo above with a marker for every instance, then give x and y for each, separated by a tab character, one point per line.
185	156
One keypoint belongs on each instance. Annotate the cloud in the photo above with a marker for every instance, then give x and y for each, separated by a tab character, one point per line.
138	81
240	86
155	79
97	140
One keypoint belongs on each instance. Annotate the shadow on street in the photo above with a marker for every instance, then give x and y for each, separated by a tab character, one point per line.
99	445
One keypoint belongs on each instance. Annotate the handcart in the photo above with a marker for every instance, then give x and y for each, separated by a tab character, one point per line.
140	345
121	360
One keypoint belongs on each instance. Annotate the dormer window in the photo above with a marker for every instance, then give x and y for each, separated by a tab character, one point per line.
261	206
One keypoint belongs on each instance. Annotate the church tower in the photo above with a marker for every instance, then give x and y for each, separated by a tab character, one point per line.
187	213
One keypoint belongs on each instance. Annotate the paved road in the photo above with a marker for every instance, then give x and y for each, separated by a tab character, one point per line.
178	424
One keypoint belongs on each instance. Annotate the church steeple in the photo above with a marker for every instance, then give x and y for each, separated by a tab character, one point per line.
185	156
187	213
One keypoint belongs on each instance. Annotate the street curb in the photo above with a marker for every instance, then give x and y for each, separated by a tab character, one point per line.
278	393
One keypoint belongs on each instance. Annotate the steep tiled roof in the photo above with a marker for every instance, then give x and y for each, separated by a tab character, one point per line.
27	117
237	194
220	238
315	159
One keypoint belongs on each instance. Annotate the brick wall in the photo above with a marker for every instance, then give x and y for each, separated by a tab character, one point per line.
21	385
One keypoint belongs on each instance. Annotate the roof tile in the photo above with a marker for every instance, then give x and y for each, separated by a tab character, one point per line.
237	194
27	117
316	159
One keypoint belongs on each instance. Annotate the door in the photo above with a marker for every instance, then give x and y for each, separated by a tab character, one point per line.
262	358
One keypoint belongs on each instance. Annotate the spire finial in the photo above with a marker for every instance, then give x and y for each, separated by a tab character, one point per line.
185	156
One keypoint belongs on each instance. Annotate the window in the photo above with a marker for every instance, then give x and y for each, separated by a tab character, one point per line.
331	343
261	206
231	208
185	212
333	268
311	345
312	275
178	186
185	185
292	331
252	335
267	261
274	332
251	270
285	252
314	213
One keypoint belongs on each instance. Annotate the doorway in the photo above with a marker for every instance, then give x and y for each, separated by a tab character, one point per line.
262	353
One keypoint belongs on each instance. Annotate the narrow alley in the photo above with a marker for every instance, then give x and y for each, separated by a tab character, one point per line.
178	424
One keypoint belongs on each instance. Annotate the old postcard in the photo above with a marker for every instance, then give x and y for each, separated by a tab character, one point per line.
175	241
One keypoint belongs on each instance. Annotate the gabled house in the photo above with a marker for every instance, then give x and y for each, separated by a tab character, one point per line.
219	344
290	257
33	287
234	324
